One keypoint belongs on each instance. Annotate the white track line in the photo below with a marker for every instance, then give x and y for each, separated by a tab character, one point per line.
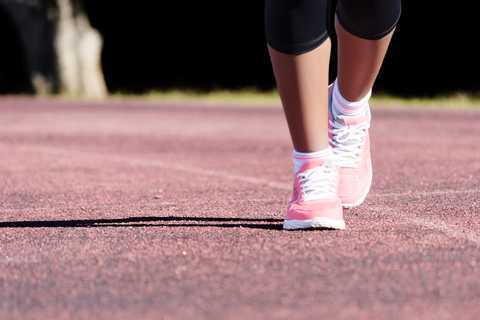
424	193
453	231
439	225
157	163
229	176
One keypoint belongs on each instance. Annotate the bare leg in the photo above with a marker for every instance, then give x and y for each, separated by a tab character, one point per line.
302	81
359	62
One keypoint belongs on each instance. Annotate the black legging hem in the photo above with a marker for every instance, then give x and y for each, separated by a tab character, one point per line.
301	47
368	37
299	26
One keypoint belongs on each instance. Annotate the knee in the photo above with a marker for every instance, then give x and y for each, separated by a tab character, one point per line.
295	26
369	19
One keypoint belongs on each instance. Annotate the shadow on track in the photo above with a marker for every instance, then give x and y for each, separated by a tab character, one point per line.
253	223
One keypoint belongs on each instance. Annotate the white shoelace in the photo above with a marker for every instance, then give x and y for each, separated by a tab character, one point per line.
347	142
319	182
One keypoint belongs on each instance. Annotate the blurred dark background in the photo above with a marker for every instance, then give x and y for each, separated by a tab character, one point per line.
152	45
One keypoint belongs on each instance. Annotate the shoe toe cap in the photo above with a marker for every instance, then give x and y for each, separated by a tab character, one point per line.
330	208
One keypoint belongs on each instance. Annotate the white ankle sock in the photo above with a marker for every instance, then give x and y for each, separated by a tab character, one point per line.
344	107
299	158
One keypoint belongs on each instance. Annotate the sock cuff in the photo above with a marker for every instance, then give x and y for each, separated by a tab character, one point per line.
321	154
345	105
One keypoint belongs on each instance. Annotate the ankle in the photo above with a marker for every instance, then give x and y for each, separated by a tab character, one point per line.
343	106
300	158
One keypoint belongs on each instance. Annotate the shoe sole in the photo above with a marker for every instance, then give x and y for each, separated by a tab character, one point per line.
316	223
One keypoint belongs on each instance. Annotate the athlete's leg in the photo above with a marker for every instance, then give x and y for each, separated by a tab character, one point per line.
359	62
302	82
299	47
364	30
300	52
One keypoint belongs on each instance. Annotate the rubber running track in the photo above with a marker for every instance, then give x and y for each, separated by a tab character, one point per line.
144	211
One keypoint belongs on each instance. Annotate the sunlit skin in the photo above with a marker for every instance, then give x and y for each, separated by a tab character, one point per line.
302	82
359	62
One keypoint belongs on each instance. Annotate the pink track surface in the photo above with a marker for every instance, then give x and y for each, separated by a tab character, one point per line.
131	210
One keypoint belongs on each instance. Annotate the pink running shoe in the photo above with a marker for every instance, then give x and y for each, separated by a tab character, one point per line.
350	142
314	202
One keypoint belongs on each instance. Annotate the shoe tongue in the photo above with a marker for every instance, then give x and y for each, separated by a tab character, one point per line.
350	119
310	164
353	120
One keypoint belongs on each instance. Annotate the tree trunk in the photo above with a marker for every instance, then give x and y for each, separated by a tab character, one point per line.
62	48
78	48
